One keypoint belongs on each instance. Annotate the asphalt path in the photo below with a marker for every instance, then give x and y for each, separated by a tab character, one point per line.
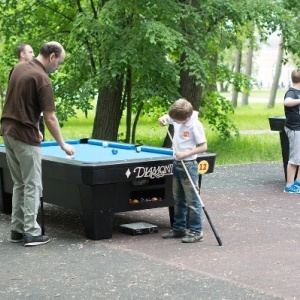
259	259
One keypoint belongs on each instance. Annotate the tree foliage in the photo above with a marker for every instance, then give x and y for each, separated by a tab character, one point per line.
139	56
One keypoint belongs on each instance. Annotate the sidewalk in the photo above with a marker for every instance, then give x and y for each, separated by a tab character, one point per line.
258	224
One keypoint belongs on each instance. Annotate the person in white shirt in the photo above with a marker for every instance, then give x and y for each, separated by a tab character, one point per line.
188	141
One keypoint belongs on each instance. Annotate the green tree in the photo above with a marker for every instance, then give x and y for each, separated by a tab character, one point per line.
138	56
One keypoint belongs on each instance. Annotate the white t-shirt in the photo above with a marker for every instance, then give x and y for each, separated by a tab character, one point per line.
188	135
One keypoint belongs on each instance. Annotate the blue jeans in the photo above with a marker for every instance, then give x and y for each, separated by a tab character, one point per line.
185	197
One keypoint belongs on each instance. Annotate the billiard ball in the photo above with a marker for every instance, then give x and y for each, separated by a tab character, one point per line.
105	144
70	156
138	149
114	151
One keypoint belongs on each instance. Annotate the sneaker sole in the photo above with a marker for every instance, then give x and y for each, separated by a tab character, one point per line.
193	241
36	243
177	236
16	241
173	237
287	192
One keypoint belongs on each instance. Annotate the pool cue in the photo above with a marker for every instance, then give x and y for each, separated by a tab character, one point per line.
42	216
197	193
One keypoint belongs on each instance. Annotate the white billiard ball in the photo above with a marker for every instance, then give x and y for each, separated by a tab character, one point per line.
70	156
105	144
138	149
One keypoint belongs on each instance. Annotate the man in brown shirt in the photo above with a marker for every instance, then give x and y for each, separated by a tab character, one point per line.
29	94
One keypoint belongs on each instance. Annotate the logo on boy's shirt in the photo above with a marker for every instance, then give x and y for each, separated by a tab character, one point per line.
185	134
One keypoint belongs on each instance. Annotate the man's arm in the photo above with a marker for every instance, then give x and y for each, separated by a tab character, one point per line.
53	127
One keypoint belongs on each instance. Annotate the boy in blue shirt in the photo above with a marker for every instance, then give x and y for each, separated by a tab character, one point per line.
188	141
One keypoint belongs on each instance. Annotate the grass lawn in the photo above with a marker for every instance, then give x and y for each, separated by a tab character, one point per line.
256	143
260	94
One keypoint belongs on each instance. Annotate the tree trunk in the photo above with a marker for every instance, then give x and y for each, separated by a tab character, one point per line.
108	113
237	69
223	87
189	90
212	86
129	104
2	98
136	119
248	71
277	74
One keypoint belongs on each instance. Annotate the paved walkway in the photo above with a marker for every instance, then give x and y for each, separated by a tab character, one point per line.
258	224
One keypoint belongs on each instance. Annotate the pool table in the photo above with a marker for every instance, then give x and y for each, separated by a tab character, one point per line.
99	183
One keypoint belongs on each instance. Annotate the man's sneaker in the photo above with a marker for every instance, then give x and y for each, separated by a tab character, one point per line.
193	237
174	234
293	189
30	240
16	237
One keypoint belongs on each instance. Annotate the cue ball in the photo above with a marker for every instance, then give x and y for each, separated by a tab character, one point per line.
105	144
114	151
70	157
138	149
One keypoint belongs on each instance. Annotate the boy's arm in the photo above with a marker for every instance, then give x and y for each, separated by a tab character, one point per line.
291	98
199	149
291	102
164	120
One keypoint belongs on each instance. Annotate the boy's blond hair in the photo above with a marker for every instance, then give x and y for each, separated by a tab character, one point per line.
180	110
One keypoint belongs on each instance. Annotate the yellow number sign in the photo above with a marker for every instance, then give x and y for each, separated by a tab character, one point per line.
203	166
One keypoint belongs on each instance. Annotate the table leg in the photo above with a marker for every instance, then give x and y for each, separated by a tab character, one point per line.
5	198
98	223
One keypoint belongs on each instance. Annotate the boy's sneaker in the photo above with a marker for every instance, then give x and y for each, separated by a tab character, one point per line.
297	184
193	237
293	189
16	237
174	234
30	240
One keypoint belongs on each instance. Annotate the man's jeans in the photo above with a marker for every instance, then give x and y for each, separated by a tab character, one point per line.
185	197
24	162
